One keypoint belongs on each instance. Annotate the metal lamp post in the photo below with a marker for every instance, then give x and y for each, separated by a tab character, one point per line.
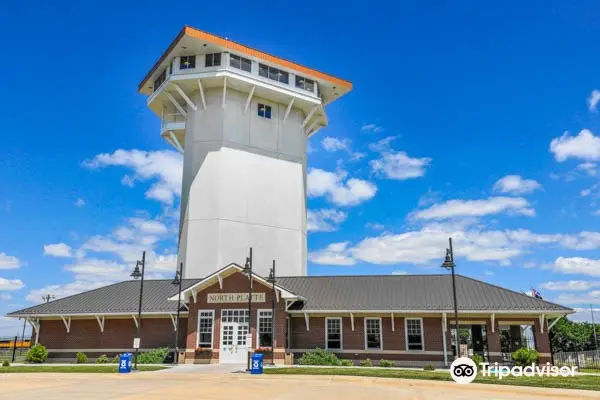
594	326
272	281
450	265
248	271
177	282
136	274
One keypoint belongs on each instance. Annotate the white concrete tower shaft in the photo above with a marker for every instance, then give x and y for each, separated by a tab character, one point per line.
241	118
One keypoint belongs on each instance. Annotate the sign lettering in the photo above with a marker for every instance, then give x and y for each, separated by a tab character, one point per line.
234	298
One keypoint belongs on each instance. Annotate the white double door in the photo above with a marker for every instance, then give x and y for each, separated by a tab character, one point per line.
234	330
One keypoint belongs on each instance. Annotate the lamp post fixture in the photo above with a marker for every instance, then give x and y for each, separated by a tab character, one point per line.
248	271
594	326
177	282
136	274
450	265
272	281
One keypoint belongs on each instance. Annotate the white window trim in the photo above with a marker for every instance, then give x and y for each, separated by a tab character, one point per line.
261	102
257	321
341	333
380	332
420	319
212	333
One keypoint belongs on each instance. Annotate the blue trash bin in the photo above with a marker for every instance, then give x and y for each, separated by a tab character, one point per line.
257	363
125	363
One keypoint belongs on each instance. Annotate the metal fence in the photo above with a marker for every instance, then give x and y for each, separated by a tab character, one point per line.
14	348
582	359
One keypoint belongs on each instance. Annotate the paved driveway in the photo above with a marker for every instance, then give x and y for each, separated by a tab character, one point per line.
215	383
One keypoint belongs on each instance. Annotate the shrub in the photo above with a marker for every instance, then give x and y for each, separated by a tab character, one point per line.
346	363
6	363
525	356
81	358
319	357
477	359
37	354
115	360
102	359
428	367
155	356
366	362
385	363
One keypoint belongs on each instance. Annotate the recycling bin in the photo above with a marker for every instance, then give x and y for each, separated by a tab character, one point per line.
257	363
125	363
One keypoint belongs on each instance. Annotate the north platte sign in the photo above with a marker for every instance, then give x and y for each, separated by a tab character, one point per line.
234	298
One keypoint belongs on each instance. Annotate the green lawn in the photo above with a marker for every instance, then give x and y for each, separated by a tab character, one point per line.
74	368
586	382
595	370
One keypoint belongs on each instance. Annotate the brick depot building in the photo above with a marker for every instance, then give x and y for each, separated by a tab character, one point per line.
404	318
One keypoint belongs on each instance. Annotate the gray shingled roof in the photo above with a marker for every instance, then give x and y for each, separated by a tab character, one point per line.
407	292
349	293
122	297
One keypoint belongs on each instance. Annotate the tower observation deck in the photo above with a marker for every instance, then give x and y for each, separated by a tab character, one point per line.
241	118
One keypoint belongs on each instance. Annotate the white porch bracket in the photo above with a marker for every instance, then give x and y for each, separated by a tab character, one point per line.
309	116
249	99
185	97
224	92
554	322
312	126
288	109
175	142
67	322
135	320
277	294
220	278
352	321
202	94
100	319
194	295
175	103
306	322
174	321
35	324
542	323
444	322
493	321
393	323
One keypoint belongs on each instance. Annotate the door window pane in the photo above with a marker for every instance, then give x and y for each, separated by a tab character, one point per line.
334	333
414	334
373	333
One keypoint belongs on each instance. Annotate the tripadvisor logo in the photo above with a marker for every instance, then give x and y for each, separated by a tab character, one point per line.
463	370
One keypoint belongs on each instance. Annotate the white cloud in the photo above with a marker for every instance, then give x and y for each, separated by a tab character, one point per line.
588	167
581	241
585	314
382	145
5	296
375	226
577	265
58	250
149	226
324	220
398	165
332	144
488	273
95	269
593	100
476	208
165	167
79	202
337	190
399	272
574	286
9	262
585	146
570	298
371	128
334	254
11	326
11	284
515	184
68	289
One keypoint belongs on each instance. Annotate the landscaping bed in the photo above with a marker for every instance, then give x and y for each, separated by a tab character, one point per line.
110	368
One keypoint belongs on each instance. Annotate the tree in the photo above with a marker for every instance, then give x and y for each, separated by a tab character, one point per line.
568	335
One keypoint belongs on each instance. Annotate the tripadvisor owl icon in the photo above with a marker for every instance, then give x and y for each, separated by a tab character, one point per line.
463	370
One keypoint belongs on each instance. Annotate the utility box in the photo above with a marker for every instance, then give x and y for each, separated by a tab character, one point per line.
289	359
257	363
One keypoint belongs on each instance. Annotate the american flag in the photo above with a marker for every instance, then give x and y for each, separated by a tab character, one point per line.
536	294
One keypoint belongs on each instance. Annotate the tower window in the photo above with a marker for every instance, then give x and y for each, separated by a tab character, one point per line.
213	60
273	73
305	83
264	111
187	62
160	79
240	63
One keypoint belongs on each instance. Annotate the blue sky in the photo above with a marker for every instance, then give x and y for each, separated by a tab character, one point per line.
477	122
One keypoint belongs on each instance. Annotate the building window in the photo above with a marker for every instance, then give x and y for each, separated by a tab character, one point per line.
187	62
264	111
265	328
373	333
240	63
160	79
414	334
212	60
273	73
305	83
333	333
205	328
171	68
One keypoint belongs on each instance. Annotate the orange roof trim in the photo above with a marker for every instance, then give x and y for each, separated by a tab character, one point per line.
201	35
